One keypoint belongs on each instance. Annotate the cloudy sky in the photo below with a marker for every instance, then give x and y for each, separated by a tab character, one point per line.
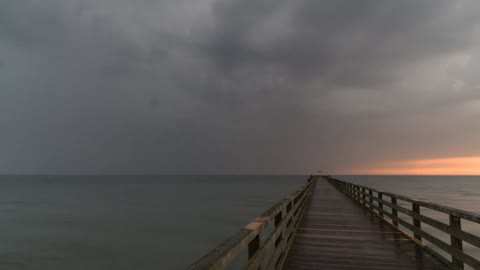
239	86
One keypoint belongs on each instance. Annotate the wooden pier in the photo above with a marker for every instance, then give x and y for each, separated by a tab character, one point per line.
331	224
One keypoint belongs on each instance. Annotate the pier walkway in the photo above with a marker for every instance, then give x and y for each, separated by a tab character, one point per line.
337	233
332	224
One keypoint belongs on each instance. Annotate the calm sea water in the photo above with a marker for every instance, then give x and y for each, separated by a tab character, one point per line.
158	222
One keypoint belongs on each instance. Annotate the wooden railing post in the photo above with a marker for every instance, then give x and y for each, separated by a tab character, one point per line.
380	204
363	196
370	193
278	219
455	223
253	246
359	196
416	222
394	211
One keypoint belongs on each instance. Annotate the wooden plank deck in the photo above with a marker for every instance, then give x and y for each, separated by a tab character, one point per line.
336	233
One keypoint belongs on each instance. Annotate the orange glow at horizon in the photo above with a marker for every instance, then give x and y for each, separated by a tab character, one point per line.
436	166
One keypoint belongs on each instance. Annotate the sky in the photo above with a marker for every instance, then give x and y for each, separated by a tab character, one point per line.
239	86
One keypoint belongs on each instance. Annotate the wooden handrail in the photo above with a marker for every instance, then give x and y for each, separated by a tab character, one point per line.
366	196
286	215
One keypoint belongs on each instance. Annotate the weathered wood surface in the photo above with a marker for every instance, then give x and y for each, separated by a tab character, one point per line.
286	215
336	233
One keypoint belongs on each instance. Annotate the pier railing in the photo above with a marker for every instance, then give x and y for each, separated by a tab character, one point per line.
266	250
375	201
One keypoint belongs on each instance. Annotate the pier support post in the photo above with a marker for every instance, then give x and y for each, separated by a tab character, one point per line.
455	223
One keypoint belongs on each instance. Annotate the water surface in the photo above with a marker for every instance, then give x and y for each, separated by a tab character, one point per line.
126	222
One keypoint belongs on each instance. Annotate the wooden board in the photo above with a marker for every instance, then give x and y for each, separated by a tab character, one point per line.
336	233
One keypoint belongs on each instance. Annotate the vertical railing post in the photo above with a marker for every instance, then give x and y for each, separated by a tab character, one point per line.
363	197
394	211
370	193
253	246
416	222
380	204
455	223
278	219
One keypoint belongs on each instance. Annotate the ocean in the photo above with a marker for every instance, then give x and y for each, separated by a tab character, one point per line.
160	222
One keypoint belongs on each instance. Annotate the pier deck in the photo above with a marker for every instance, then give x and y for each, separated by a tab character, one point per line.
337	233
333	224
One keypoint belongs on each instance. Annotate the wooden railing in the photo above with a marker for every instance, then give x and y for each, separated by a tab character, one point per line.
264	251
367	196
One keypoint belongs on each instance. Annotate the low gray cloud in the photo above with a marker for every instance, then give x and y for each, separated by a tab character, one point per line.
229	86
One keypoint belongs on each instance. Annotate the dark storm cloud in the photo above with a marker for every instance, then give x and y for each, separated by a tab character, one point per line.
235	86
